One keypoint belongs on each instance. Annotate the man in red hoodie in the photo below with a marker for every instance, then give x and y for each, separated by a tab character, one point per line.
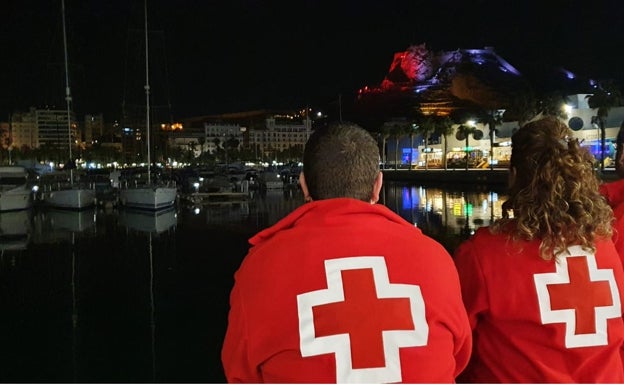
343	289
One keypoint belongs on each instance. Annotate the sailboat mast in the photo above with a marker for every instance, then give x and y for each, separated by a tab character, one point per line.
147	99
68	97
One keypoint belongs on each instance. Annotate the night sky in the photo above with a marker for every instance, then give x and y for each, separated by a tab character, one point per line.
211	57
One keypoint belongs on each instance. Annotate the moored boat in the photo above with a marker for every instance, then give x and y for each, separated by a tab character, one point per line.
58	190
69	195
15	190
150	195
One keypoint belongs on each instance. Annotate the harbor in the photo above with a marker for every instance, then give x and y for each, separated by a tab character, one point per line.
207	186
112	295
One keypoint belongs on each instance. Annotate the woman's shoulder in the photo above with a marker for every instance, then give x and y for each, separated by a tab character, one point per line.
485	234
483	241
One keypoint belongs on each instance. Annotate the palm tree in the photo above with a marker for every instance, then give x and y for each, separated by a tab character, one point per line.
397	131
606	96
464	131
524	106
551	105
384	133
444	128
427	127
492	118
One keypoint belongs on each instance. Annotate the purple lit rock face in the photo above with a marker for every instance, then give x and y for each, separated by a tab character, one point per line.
446	81
420	68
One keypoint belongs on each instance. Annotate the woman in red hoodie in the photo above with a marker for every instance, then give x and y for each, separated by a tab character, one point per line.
543	285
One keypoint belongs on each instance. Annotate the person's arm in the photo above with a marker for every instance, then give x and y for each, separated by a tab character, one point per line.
474	291
472	282
618	230
235	351
613	192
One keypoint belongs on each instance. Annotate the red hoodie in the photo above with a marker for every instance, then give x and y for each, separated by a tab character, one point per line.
614	192
538	321
344	291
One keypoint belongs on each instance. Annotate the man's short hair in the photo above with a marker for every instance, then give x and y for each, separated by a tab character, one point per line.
341	160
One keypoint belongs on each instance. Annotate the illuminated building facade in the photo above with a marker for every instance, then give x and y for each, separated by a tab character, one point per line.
43	127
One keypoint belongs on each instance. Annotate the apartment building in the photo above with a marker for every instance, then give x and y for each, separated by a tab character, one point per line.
264	133
38	127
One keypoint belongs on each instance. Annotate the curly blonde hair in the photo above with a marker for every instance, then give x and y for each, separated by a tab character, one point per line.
553	191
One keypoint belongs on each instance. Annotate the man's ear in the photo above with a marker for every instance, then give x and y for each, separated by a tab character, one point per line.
377	188
304	188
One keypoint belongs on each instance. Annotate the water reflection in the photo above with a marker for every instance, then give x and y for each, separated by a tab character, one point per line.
15	230
448	215
55	225
61	229
148	222
258	211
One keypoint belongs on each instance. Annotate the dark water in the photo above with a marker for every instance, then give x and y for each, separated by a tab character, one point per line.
119	296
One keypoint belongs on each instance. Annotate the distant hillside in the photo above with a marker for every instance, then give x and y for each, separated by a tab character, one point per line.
452	82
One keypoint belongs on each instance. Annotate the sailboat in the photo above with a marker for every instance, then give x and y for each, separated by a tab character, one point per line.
150	195
63	193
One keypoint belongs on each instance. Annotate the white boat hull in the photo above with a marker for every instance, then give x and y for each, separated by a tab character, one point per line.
148	198
74	198
15	193
18	198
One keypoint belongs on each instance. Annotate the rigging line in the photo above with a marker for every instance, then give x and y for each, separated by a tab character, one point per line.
68	97
147	99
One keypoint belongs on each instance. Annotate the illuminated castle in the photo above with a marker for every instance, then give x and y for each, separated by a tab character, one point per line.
446	81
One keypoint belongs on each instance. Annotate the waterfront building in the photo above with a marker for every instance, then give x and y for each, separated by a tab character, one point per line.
268	135
213	136
412	153
281	133
24	130
93	127
43	127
